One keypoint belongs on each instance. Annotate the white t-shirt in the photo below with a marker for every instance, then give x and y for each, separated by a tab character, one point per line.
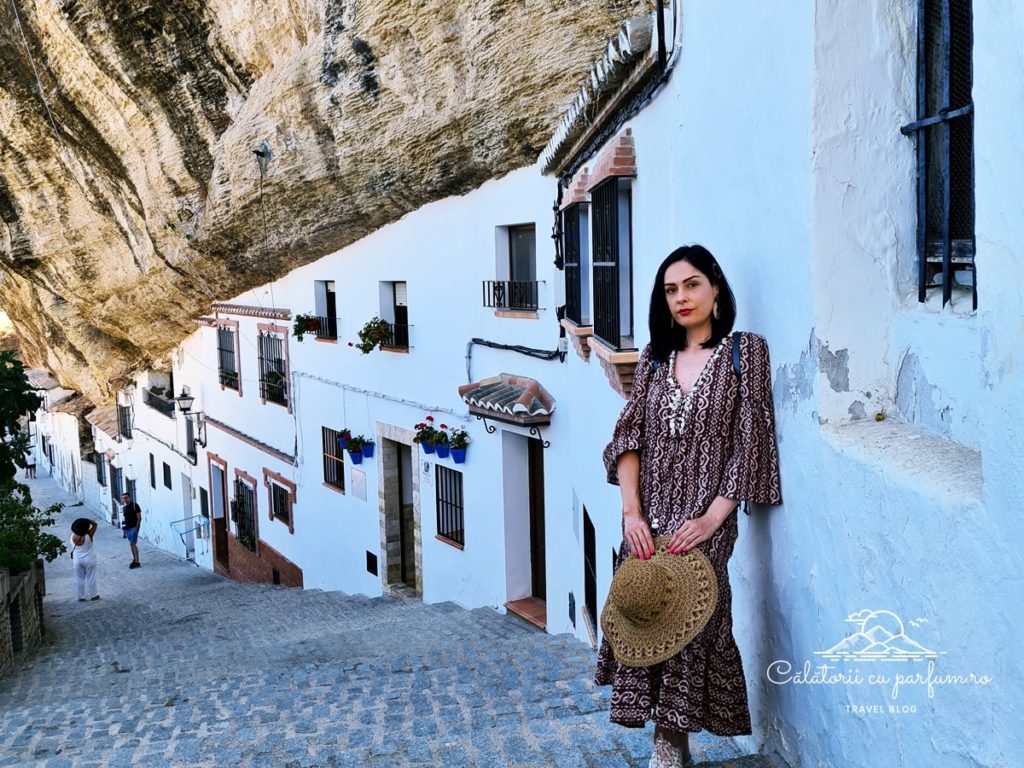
84	549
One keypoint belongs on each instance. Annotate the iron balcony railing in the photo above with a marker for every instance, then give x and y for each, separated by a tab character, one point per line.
158	402
274	388
512	294
398	336
228	378
328	328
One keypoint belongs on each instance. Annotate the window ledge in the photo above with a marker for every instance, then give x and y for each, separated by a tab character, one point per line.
399	350
579	335
916	458
619	365
520	314
326	340
334	488
449	542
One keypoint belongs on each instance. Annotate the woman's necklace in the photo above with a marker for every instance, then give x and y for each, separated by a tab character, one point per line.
679	404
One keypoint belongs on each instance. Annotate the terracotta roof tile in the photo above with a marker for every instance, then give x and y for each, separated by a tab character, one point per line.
104	419
41	379
518	399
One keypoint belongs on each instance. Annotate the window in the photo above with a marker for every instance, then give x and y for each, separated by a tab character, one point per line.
450	524
227	361
576	251
152	471
280	504
117	485
326	309
124	421
334	462
101	469
243	513
516	286
273	369
394	304
190	439
280	497
590	569
613	283
167	475
130	490
945	148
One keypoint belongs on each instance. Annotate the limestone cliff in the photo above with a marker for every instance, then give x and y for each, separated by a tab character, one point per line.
130	191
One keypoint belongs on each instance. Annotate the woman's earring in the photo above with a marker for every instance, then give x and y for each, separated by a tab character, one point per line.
671	322
714	309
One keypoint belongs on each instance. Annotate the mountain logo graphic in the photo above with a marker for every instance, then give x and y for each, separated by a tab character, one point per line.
880	637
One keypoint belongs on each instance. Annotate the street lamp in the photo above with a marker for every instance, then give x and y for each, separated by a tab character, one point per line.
184	401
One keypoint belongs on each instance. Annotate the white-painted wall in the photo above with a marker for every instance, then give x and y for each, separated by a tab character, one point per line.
777	145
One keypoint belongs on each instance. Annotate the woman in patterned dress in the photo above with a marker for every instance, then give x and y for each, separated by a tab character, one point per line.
692	442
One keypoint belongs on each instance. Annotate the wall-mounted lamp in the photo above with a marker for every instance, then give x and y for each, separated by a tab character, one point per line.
185	402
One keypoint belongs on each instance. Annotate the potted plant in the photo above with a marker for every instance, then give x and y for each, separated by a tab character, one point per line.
441	442
344	435
305	324
372	335
458	441
425	434
368	446
355	448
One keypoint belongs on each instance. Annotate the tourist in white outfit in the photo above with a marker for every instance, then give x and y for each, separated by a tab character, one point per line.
83	531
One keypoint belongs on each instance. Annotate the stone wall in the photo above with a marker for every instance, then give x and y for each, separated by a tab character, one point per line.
21	615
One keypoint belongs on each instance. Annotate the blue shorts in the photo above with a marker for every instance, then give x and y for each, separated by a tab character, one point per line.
132	534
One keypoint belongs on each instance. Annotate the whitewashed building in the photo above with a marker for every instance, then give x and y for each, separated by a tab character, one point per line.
806	146
831	155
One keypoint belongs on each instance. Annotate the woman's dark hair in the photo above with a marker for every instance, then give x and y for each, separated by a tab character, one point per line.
667	335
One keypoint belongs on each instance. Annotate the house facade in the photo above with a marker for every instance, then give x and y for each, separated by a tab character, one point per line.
849	165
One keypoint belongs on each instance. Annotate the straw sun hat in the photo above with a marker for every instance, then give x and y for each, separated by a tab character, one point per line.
656	606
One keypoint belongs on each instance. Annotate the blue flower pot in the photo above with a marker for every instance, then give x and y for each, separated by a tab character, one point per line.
427	447
342	442
368	450
356	456
442	450
459	455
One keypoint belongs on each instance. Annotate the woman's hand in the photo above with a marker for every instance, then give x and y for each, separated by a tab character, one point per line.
692	533
637	534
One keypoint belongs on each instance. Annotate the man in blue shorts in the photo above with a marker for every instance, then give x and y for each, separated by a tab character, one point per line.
131	514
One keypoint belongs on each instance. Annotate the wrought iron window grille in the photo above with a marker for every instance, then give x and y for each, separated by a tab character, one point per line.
944	132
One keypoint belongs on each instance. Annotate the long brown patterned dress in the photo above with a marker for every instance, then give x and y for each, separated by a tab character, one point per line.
712	441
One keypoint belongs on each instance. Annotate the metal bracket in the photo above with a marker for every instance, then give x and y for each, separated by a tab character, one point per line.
490	428
536	433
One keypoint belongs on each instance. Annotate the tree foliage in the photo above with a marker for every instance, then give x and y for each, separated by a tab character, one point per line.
16	400
22	538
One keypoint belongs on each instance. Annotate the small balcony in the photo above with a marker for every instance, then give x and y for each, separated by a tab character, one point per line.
515	295
228	378
397	339
164	405
274	388
327	328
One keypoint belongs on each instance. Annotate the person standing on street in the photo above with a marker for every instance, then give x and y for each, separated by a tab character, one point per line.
131	514
84	558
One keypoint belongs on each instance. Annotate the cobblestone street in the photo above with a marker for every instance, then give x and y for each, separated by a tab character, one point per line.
177	666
